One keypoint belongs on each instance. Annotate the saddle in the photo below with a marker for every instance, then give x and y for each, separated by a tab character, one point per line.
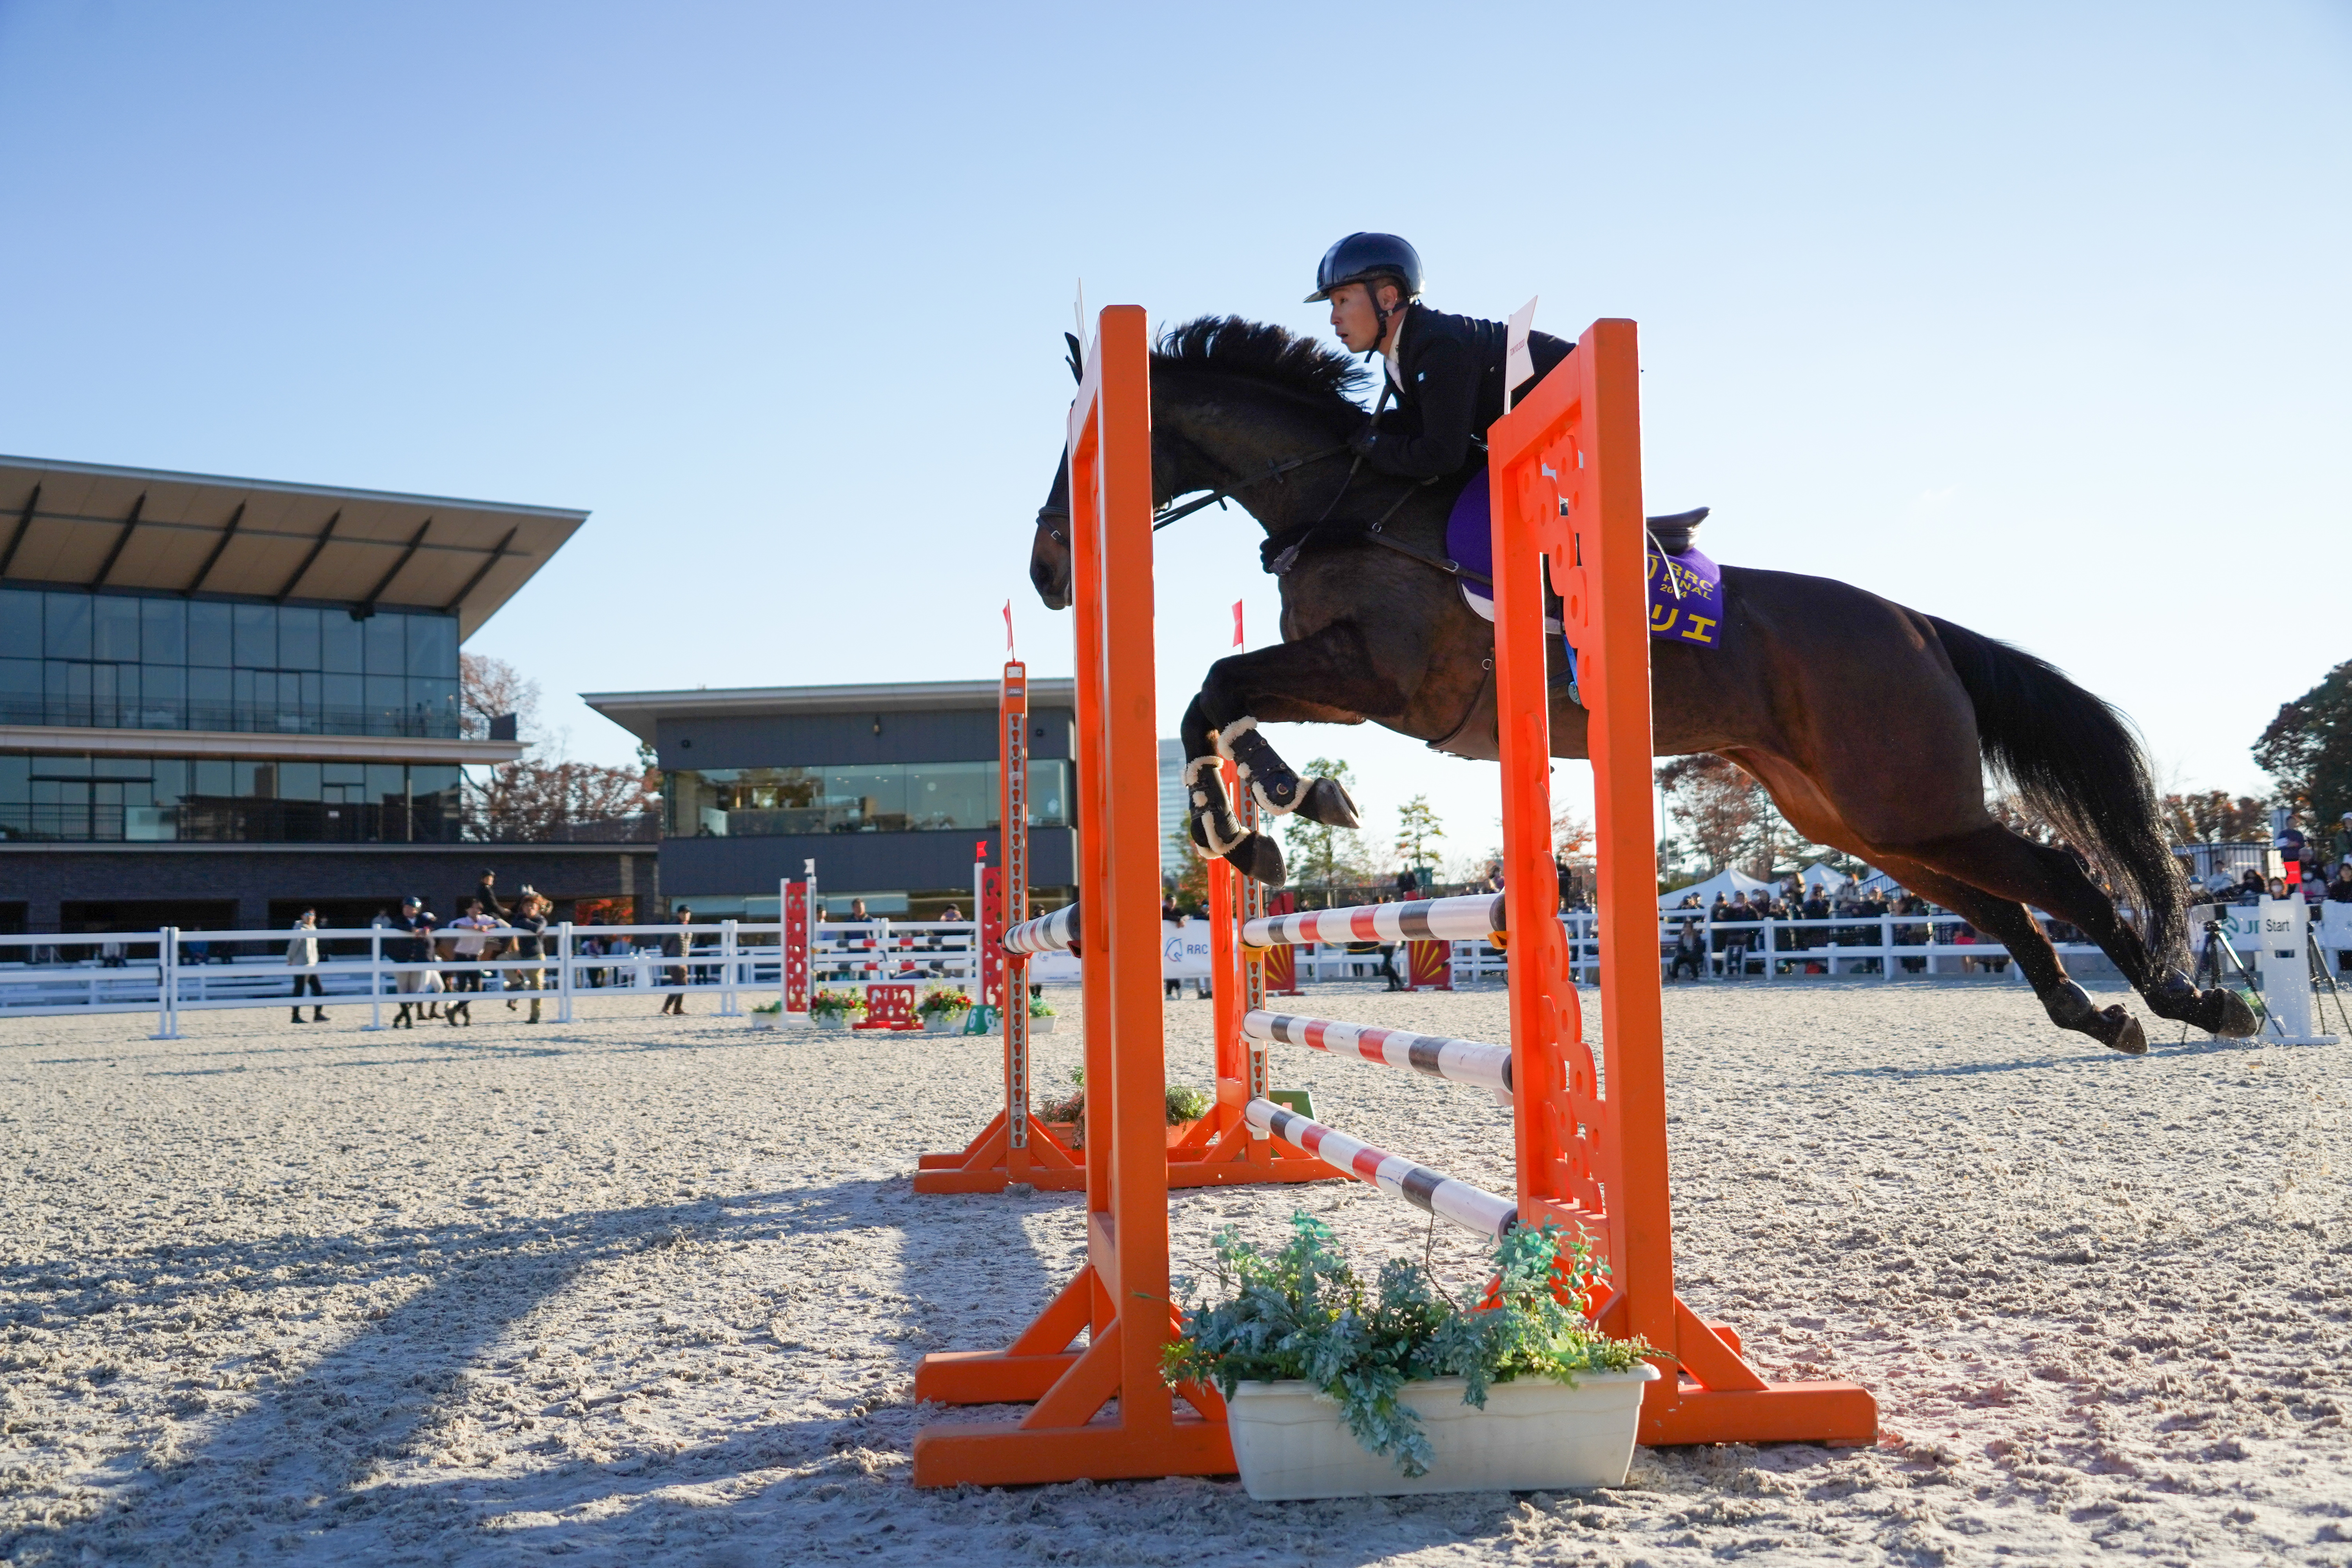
1674	534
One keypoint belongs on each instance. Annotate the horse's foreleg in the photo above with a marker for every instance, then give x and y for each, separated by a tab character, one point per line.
1273	683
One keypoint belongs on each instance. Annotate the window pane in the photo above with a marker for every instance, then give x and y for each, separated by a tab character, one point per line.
208	635
298	781
214	778
1049	789
950	794
387	643
163	631
162	696
342	773
66	626
387	697
434	702
256	636
170	779
432	647
139	768
387	782
298	638
340	639
867	800
114	629
20	623
20	691
209	698
343	705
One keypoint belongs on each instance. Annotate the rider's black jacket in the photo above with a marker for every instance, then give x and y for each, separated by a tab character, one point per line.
1451	390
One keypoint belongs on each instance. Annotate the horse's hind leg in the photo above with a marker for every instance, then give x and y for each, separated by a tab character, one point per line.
2001	862
2014	926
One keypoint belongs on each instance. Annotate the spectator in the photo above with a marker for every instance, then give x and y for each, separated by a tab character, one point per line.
680	942
951	914
2277	888
463	982
485	893
1690	952
1408	886
303	951
530	918
2250	890
2339	891
857	915
417	948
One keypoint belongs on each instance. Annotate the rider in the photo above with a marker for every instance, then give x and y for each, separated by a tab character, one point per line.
1444	371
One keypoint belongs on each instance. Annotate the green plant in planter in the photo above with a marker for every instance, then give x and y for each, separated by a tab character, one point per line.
835	1005
943	999
1040	1008
1185	1102
775	1006
1303	1314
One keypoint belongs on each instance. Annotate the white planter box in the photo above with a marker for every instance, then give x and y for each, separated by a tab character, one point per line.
764	1020
946	1023
1291	1442
1041	1026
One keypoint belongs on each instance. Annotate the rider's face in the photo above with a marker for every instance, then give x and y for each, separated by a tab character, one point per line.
1353	317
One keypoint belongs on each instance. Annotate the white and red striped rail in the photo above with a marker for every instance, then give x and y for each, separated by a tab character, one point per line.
1056	933
1473	1207
1424	919
1434	1055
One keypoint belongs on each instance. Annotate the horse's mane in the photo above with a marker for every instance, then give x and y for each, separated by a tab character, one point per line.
1262	352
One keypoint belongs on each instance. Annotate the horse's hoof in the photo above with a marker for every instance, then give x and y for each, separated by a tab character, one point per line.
2233	1019
1257	857
2220	1011
1326	801
2117	1030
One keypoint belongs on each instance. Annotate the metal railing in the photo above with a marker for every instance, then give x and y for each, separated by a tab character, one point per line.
153	972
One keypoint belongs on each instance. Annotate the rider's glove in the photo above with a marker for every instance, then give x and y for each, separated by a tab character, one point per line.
1364	438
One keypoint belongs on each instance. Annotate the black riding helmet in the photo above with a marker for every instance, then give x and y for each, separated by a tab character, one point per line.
1362	257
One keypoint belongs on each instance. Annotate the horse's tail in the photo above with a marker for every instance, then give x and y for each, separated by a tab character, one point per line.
2078	765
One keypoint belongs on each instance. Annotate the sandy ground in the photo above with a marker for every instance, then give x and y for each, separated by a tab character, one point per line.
641	1289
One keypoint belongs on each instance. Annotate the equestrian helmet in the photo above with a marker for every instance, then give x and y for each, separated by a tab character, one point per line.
1362	257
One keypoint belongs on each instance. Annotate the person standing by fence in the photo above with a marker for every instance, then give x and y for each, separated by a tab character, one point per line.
466	980
418	922
530	918
303	951
679	943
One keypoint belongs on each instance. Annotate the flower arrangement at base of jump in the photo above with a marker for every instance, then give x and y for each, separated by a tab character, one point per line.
942	999
835	1006
1302	1314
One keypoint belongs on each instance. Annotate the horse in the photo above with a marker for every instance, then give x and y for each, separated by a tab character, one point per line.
1871	725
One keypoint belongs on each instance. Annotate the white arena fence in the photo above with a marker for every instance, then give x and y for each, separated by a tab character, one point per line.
171	972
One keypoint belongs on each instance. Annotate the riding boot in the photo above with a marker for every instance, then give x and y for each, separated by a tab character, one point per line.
297	1014
317	1015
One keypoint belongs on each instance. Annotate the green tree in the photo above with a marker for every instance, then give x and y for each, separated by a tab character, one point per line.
1417	829
2308	748
1317	854
1190	885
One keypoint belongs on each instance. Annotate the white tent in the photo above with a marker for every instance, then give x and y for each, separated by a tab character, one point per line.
1827	878
1729	883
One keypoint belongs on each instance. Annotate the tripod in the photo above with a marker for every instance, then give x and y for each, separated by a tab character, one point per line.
2322	975
2216	938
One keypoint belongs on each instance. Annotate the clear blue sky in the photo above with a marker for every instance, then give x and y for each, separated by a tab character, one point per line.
2034	317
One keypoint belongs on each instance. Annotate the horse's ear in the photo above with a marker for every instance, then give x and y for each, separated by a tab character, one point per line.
1077	356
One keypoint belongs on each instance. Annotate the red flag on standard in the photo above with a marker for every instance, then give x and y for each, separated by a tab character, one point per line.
1008	626
1237	623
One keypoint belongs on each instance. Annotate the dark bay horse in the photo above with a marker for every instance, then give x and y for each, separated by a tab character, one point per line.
1871	725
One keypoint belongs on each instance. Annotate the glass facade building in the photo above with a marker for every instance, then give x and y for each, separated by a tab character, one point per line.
884	797
75	798
143	661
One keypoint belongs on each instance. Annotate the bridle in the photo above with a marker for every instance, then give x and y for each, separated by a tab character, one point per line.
1169	514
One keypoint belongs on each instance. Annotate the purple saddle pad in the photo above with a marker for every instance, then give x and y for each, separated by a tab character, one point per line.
1686	590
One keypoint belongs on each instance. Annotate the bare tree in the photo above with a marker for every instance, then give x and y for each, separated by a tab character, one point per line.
542	795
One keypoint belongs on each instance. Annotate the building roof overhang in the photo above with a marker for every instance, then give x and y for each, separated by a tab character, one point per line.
87	525
639	712
58	738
